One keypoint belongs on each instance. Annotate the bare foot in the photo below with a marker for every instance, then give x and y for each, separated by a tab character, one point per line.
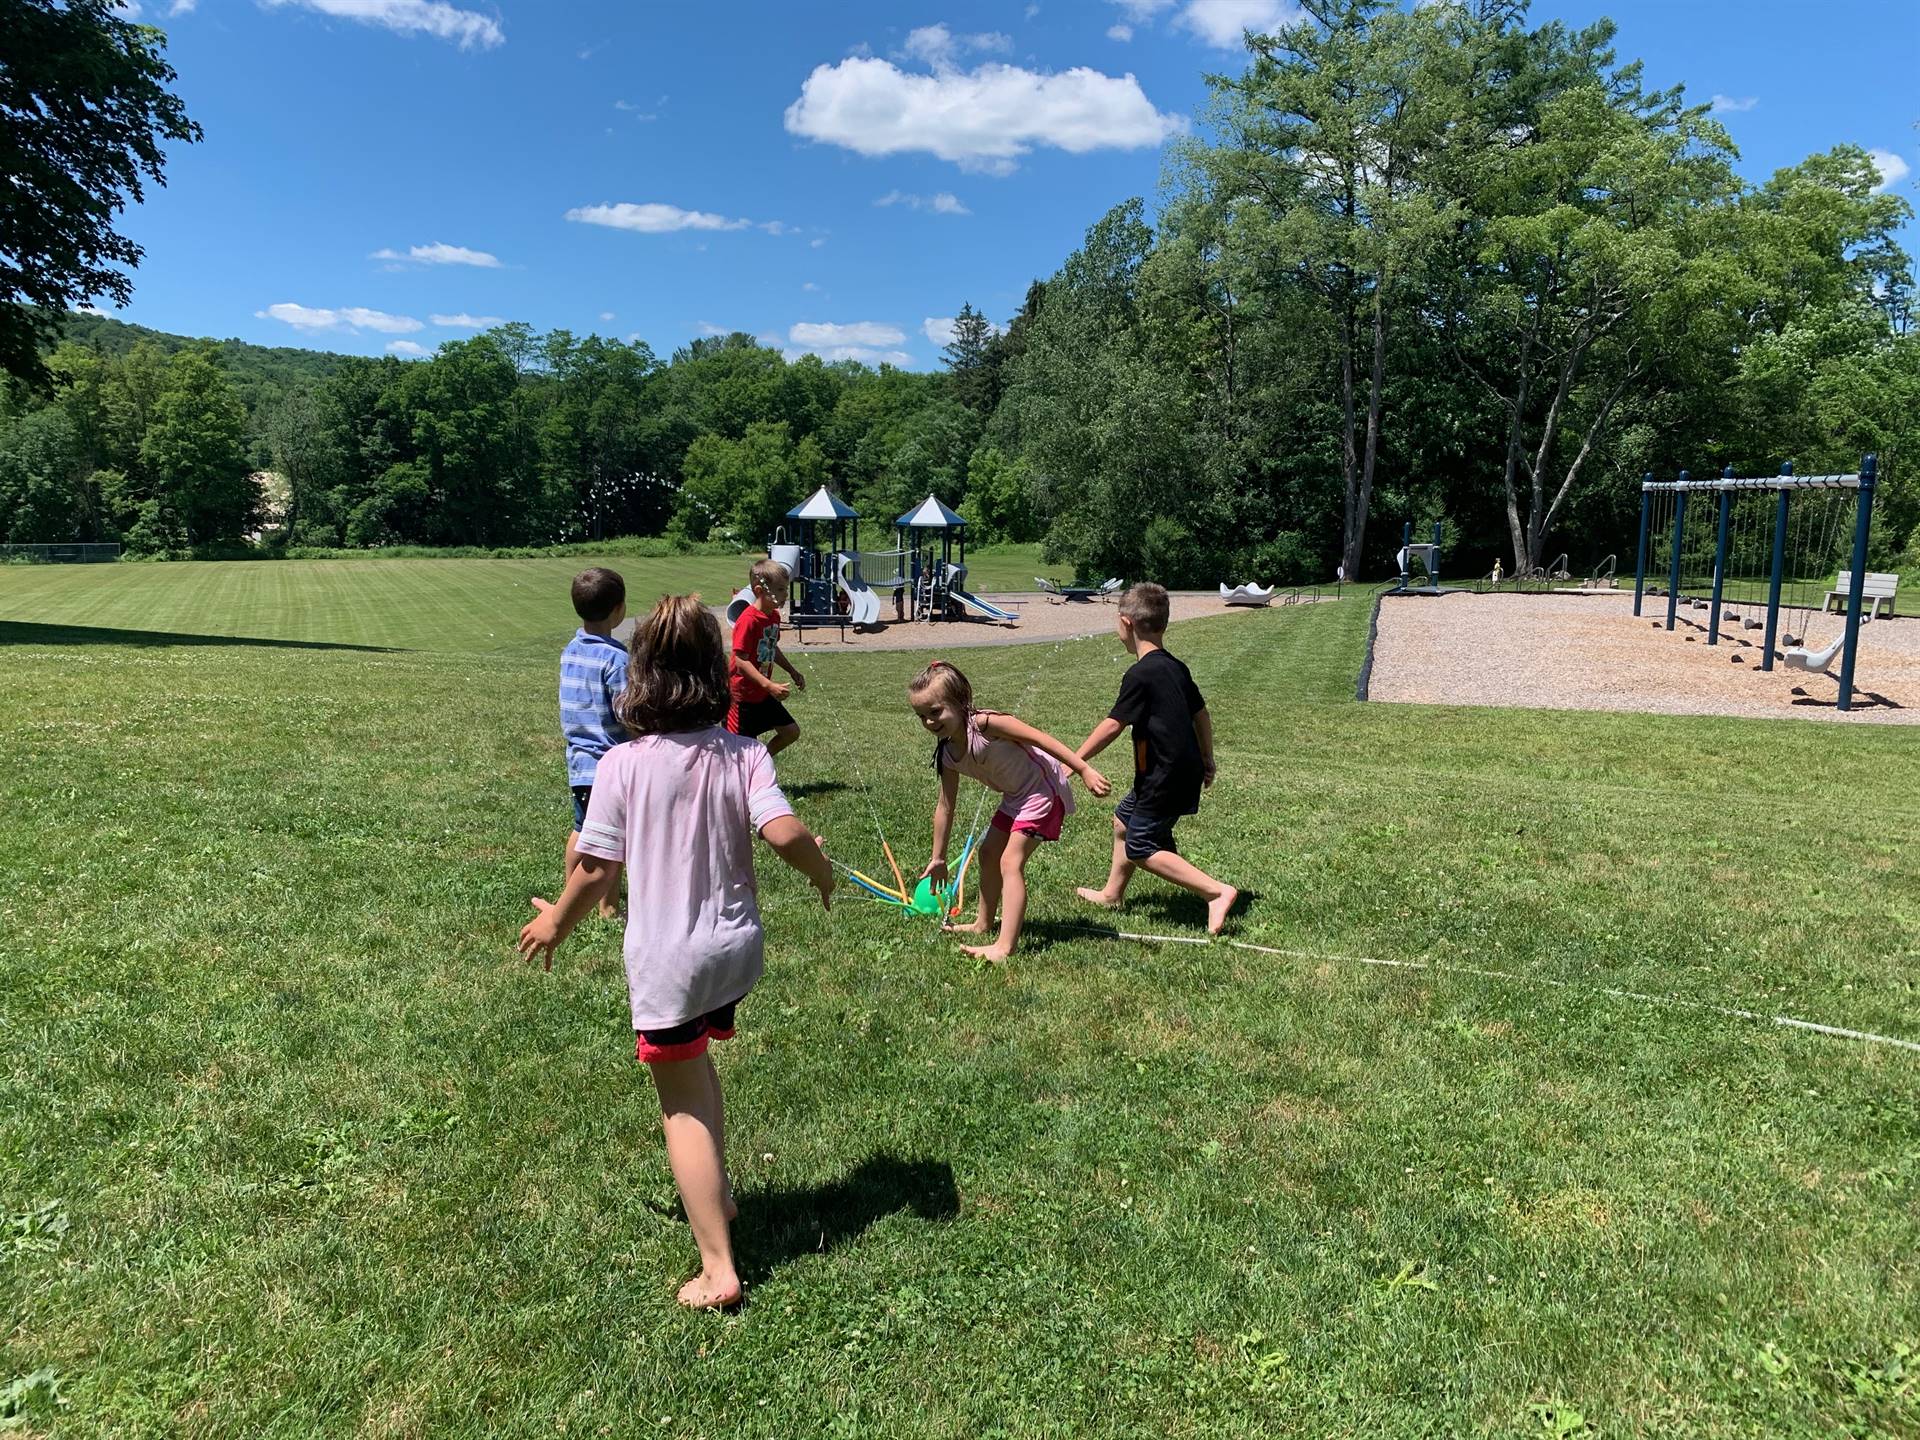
992	954
972	927
1218	907
711	1292
1097	897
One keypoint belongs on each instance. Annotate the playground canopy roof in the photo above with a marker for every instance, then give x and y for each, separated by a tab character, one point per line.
930	514
822	506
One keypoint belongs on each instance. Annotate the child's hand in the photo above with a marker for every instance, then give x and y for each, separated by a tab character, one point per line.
1207	772
936	871
779	691
799	680
540	935
825	887
1095	782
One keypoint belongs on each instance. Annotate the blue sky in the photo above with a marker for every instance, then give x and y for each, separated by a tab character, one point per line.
388	174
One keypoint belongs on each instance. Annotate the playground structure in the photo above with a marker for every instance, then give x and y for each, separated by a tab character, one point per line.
933	547
1428	558
1799	522
1060	594
832	582
825	586
1248	594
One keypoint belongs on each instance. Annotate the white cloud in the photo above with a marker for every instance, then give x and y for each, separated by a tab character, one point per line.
815	244
1727	105
407	350
776	227
981	120
860	332
94	310
441	253
1122	32
652	218
605	316
808	286
1893	168
127	9
939	47
635	110
862	353
183	7
707	327
939	329
1143	9
1221	22
466	28
354	317
942	203
464	321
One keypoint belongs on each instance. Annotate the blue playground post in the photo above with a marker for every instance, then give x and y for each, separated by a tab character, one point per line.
1862	523
1779	569
1434	568
1679	532
1640	556
1406	552
1720	560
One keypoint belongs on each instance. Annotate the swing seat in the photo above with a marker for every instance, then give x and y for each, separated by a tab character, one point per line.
1751	624
1800	658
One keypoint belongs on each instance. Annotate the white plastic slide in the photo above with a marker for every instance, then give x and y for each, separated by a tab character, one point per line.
863	606
1248	594
738	606
992	612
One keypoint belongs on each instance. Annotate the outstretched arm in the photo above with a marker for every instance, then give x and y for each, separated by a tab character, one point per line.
780	659
1005	727
795	844
554	921
1103	735
943	825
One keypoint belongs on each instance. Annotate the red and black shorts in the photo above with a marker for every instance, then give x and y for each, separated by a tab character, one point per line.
688	1040
757	717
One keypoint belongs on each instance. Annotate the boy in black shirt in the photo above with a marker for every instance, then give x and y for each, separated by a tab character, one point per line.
1172	760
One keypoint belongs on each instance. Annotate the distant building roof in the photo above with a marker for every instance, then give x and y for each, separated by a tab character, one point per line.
822	506
930	514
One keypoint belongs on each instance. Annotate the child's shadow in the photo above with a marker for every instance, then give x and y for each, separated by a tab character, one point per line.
780	1225
813	787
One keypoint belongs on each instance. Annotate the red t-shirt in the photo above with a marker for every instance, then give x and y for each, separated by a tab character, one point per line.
756	634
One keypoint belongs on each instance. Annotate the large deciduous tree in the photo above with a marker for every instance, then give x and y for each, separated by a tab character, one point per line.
85	112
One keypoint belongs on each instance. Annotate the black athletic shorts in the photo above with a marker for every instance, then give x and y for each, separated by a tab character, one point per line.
757	717
1146	831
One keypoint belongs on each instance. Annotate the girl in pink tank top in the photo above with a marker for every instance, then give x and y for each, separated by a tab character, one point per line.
1027	767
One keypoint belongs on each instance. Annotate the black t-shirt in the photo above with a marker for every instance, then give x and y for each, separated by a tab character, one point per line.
1158	700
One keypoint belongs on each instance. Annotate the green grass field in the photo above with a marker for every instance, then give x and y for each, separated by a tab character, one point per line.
294	1145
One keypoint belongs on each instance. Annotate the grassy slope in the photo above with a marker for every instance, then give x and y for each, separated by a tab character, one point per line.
333	1161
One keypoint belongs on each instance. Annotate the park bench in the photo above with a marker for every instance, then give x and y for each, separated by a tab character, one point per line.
1877	588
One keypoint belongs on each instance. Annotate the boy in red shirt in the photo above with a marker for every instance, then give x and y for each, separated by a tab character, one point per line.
754	694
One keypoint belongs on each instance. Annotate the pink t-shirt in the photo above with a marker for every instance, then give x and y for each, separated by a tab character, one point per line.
682	812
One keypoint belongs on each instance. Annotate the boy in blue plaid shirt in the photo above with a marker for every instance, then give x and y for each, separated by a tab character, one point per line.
593	672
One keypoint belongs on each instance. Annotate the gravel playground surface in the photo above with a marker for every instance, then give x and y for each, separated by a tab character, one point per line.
1041	619
1572	651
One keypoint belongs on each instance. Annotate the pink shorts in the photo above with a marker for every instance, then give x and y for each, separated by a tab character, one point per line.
1038	814
687	1041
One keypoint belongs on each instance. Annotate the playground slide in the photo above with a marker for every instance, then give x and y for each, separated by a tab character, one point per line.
863	606
992	612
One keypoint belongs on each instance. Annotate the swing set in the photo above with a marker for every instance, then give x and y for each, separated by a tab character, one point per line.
1724	569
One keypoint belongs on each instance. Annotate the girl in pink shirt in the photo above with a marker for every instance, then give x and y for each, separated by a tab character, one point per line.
679	804
1028	767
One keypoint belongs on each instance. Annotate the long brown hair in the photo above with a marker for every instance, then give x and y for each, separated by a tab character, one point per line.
676	670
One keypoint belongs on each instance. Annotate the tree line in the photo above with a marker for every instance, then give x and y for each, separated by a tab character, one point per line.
1423	263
